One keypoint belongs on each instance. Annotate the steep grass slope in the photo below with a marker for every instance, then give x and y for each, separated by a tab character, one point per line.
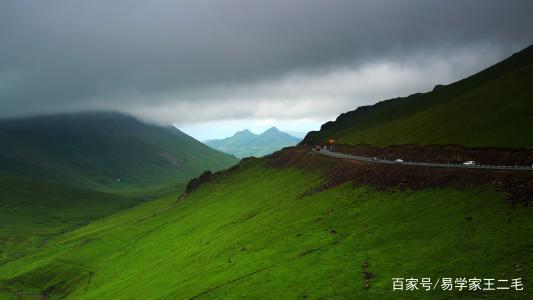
269	232
95	149
493	108
31	212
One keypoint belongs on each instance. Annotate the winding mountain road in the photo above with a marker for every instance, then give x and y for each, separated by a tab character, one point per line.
421	164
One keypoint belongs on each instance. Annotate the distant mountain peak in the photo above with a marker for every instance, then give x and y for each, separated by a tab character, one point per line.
245	143
272	129
244	132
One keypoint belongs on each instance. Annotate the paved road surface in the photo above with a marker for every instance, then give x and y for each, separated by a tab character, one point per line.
424	164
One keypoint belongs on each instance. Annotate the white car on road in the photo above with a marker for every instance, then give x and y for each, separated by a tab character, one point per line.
469	163
399	160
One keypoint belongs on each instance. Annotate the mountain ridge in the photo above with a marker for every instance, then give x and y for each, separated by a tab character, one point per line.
99	149
245	143
468	112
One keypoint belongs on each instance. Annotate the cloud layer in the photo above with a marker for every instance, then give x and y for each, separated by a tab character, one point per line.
196	61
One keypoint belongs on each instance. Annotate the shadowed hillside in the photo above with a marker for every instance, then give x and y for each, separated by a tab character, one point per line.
493	108
103	150
33	211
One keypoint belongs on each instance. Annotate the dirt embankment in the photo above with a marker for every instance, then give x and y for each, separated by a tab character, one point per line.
518	185
443	154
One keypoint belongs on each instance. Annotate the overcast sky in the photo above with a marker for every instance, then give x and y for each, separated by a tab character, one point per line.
205	64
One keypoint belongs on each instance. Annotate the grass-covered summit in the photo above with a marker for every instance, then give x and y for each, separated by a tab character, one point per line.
493	108
97	149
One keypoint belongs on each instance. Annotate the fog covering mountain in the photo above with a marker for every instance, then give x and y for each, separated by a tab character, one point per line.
102	150
245	143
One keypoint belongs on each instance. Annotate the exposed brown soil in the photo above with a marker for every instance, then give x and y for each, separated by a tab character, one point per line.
518	185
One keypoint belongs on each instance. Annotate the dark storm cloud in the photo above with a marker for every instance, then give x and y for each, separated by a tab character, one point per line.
183	55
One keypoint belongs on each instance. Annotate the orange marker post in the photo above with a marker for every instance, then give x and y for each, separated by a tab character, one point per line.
332	141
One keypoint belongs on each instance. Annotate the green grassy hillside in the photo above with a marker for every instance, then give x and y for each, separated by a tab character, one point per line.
493	108
52	166
95	149
257	234
31	212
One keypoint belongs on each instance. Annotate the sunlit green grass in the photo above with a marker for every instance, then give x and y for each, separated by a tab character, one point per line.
252	234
